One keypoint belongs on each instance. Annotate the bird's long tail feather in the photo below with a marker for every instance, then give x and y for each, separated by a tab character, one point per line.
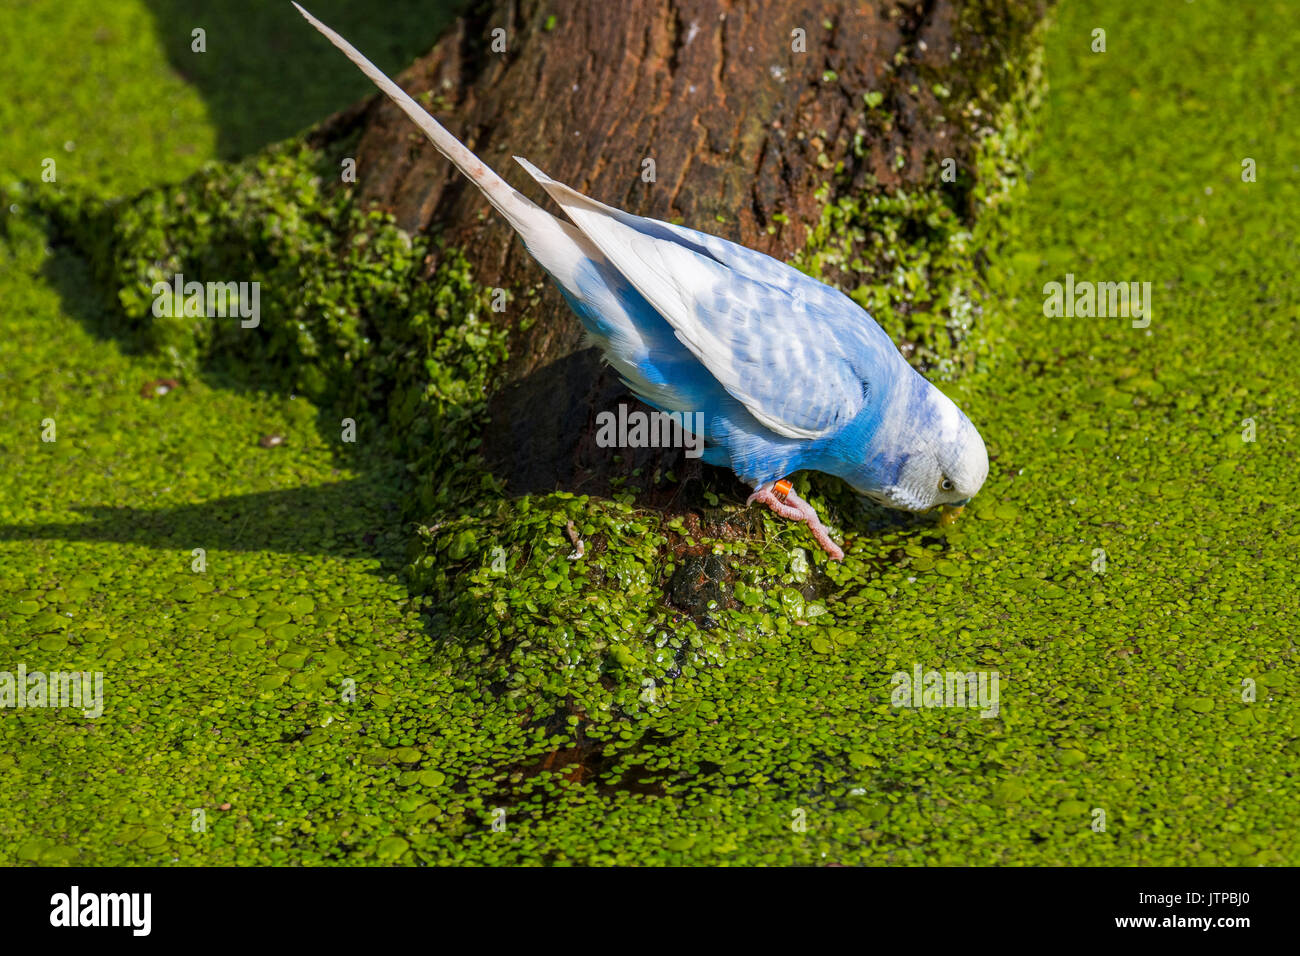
518	209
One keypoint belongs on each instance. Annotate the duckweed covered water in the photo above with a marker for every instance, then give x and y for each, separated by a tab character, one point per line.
337	687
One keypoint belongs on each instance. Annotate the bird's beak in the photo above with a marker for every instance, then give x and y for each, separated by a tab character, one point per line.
951	511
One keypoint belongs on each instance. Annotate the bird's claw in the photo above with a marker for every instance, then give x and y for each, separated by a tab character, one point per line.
779	506
794	508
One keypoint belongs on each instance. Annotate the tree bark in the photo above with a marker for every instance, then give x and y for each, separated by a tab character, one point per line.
745	109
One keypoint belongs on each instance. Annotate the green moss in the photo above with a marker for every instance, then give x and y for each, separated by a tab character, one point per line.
349	316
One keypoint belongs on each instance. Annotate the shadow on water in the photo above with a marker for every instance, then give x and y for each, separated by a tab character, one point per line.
357	518
266	74
362	517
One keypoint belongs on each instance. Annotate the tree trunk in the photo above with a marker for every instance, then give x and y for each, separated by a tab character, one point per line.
729	117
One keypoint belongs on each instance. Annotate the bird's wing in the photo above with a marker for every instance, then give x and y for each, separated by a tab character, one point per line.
797	354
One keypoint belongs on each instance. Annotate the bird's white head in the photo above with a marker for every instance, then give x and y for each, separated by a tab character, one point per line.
940	459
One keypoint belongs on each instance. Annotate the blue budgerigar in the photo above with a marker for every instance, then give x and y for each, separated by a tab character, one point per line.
789	373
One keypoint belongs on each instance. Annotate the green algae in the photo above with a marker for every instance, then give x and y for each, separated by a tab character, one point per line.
349	693
114	92
89	88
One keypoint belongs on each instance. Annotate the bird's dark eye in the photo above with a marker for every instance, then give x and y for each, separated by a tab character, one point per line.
946	485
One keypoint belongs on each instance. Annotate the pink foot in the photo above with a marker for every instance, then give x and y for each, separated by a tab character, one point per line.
795	508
